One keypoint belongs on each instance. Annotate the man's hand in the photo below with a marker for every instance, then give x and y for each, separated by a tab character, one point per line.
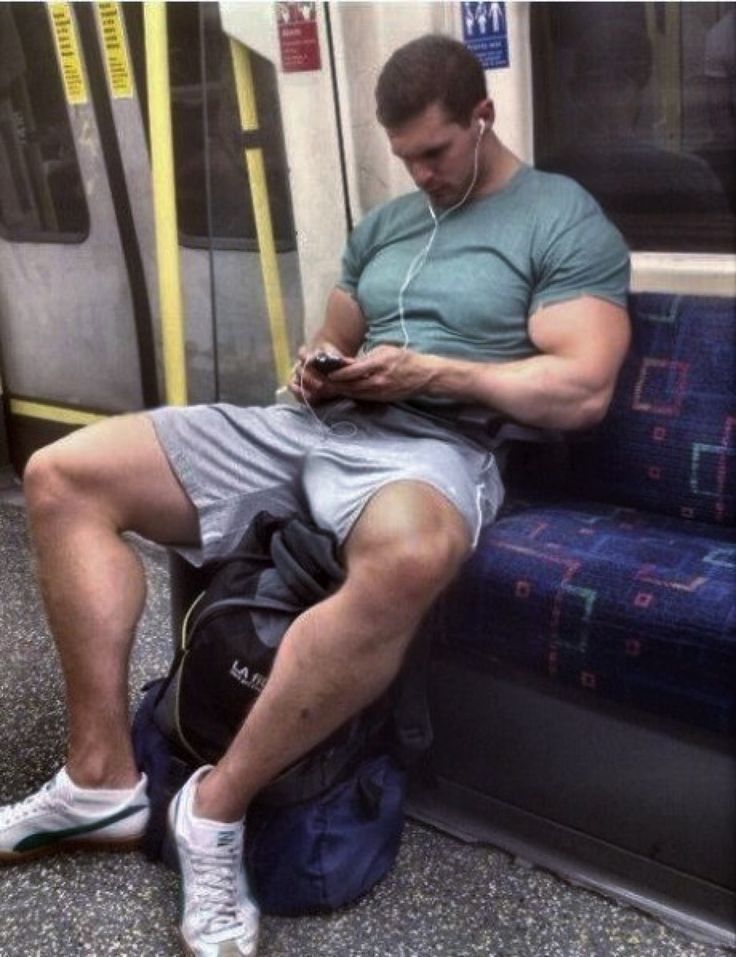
341	334
385	374
308	385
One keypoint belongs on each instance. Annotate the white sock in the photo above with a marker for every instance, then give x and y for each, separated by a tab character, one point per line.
113	795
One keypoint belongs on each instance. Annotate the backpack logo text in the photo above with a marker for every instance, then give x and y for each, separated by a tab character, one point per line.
251	679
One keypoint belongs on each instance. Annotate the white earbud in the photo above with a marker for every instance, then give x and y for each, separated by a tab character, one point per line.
481	128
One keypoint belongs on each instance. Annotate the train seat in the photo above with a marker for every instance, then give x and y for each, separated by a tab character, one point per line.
620	603
583	678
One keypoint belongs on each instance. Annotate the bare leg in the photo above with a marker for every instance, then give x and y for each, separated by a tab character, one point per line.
82	493
341	654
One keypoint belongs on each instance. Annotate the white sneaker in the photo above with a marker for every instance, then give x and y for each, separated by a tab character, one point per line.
219	917
63	816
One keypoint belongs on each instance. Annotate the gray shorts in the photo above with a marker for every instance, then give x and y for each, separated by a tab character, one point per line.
327	464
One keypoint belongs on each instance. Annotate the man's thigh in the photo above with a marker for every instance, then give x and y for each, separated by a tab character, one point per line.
234	462
342	476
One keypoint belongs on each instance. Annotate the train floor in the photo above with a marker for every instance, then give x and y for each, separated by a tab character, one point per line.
442	898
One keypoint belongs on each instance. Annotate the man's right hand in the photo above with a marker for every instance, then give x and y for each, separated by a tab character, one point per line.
308	385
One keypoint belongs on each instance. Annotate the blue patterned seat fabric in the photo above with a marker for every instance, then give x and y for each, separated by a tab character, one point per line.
668	443
628	590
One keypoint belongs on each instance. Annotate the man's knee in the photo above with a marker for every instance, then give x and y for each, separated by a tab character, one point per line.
419	569
47	485
116	474
87	471
409	544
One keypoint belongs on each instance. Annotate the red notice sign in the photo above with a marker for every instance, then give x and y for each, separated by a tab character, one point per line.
298	36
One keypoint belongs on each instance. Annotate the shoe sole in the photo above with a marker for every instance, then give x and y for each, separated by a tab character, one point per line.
58	847
191	953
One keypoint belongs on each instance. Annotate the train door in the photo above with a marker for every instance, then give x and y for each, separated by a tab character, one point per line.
75	315
240	272
79	313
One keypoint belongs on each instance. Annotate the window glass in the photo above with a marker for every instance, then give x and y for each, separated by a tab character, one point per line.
41	194
637	101
233	223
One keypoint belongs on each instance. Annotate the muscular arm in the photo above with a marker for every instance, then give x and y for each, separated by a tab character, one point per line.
342	332
568	385
343	328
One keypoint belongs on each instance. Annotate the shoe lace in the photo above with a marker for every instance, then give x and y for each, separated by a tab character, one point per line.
216	887
40	800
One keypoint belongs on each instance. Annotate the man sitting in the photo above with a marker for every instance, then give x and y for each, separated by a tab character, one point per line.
492	289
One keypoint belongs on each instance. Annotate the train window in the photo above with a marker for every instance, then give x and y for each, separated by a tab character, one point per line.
41	192
637	101
232	221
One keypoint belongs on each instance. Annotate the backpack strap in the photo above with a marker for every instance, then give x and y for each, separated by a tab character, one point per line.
181	649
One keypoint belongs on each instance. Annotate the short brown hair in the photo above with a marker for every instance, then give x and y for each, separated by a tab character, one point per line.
431	69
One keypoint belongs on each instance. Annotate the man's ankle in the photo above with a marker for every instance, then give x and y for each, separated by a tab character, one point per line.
208	803
102	775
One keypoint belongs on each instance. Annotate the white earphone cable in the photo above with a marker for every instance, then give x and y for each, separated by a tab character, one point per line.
419	261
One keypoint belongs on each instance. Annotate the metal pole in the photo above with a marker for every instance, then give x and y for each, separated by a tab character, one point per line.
164	202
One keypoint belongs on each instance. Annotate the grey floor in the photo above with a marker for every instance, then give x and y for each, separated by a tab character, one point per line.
442	898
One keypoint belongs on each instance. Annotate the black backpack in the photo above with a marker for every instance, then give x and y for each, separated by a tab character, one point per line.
232	631
345	798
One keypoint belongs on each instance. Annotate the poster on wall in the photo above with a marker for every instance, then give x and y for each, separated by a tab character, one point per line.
485	33
298	39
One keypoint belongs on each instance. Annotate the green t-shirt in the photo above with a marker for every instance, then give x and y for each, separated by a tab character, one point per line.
493	262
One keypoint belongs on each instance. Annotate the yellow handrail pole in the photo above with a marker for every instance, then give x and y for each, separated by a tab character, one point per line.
164	202
264	228
53	413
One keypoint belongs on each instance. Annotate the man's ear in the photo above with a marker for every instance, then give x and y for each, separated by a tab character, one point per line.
486	111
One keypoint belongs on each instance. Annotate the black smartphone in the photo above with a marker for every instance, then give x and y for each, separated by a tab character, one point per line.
325	362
